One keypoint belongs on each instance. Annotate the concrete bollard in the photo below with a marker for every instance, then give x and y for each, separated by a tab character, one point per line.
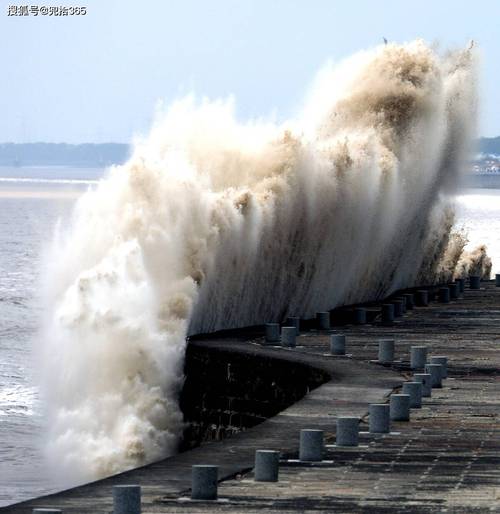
204	482
444	294
359	315
347	431
337	344
414	391
474	281
386	350
454	291
400	407
418	357
323	320
387	314
267	464
422	298
410	301
47	511
441	359
425	380
288	337
311	445
380	419
126	499
398	308
434	371
293	321
402	299
461	284
272	333
497	279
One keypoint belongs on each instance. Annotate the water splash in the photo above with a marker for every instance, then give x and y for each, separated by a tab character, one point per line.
214	223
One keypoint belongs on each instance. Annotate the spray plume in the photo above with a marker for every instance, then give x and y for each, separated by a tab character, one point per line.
214	224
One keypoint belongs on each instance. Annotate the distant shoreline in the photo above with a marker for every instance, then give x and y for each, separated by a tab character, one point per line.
101	155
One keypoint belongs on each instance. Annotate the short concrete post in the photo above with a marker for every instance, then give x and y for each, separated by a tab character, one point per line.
422	298
293	321
474	281
410	301
47	511
126	499
347	431
204	482
288	336
337	344
400	407
311	445
425	380
454	291
272	333
434	371
386	350
323	320
497	279
414	391
359	315
398	308
443	360
461	284
267	464
402	299
444	294
418	357
387	314
380	420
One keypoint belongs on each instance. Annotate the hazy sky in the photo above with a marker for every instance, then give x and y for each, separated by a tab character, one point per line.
98	77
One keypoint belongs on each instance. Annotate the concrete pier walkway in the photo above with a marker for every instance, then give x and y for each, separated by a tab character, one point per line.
445	459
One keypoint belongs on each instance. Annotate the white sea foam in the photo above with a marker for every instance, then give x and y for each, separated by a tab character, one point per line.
213	223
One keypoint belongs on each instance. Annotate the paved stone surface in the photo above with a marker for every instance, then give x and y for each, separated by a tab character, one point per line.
446	459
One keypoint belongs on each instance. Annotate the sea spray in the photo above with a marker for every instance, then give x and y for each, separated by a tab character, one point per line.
214	224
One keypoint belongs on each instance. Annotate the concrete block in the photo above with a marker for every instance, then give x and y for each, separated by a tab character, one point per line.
443	360
386	350
400	407
272	333
347	431
267	463
311	445
204	482
337	344
414	391
435	371
410	300
425	379
422	298
126	499
323	320
418	357
444	294
380	420
474	281
288	337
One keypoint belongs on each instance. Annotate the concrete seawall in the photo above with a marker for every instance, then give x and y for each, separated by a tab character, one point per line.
446	459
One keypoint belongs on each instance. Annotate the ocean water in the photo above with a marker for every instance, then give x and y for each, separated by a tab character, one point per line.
32	201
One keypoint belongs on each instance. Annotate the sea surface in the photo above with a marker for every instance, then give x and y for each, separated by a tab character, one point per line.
32	201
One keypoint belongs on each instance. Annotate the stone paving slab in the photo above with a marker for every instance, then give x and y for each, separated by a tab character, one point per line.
446	459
